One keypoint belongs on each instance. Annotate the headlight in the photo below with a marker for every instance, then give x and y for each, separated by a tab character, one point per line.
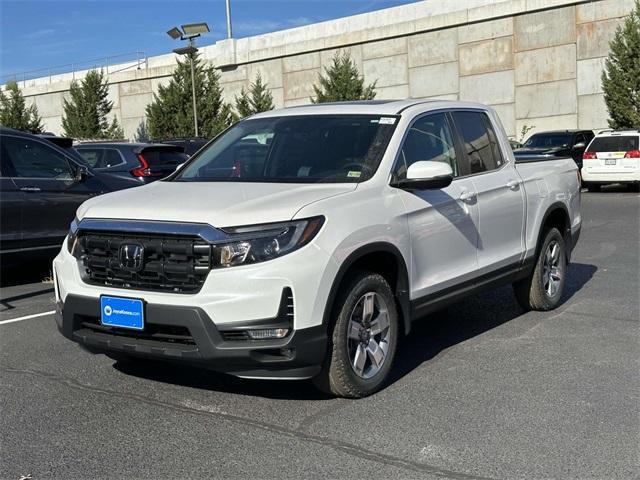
258	243
72	237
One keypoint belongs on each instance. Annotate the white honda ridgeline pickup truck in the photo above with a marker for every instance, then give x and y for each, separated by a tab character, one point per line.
301	243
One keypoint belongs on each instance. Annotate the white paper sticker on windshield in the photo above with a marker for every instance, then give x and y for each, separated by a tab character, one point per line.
354	174
387	120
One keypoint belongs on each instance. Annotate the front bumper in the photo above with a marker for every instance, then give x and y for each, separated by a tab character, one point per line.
194	339
233	295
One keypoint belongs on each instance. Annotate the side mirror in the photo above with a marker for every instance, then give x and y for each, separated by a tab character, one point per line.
82	173
426	175
579	146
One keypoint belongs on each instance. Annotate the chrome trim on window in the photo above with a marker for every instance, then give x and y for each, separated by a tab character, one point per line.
208	233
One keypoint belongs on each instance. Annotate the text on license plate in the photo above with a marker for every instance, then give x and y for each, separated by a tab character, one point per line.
122	312
610	161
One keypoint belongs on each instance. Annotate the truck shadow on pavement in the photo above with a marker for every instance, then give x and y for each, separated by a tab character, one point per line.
428	337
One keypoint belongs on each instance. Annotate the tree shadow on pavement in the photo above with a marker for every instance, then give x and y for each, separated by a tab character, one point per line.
428	337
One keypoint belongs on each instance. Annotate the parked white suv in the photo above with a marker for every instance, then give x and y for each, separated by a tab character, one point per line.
612	157
303	242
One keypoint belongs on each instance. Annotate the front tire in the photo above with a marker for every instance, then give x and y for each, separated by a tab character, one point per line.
543	289
363	340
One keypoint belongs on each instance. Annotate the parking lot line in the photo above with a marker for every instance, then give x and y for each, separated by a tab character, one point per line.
27	317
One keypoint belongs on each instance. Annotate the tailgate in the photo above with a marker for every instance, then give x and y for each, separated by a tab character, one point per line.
610	162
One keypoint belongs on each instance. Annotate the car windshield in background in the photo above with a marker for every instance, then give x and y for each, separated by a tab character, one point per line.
295	149
614	144
548	140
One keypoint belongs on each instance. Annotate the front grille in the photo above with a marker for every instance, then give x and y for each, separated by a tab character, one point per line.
171	264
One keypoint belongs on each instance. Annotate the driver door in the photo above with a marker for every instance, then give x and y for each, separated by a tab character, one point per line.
51	191
578	148
442	222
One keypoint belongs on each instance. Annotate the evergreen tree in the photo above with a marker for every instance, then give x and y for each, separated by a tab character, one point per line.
257	99
14	112
621	77
114	131
85	114
342	82
142	133
170	115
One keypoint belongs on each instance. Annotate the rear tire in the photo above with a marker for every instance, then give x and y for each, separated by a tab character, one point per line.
543	289
363	339
593	187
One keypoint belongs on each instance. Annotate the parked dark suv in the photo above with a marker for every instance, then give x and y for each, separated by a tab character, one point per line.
41	186
145	162
557	143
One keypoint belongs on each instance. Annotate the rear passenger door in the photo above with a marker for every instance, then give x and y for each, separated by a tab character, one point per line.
500	195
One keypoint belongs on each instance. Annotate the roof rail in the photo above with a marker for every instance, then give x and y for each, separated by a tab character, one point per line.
626	130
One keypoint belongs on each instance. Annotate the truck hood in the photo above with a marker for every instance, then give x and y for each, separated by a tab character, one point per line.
220	204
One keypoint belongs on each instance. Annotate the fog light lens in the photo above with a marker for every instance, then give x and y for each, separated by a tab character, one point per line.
268	333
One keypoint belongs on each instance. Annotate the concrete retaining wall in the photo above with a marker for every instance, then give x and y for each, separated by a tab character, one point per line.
538	62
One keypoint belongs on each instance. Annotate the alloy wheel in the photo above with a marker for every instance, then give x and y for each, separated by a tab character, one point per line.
552	272
368	335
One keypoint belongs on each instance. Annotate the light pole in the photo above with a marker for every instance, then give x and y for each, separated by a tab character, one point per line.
229	32
190	32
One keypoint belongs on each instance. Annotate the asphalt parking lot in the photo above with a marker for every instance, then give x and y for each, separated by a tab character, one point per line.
480	390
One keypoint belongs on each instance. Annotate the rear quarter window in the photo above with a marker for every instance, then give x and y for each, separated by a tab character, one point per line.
623	143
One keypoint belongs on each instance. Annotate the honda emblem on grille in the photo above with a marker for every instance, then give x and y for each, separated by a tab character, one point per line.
131	256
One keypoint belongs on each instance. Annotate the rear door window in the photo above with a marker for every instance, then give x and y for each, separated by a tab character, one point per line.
100	158
622	143
479	141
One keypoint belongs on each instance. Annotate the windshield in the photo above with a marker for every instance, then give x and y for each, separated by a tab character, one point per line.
294	149
548	140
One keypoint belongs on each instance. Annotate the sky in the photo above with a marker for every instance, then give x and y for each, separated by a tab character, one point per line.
50	33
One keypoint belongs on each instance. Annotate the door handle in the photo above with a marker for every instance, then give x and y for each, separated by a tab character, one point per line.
467	197
513	184
30	189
